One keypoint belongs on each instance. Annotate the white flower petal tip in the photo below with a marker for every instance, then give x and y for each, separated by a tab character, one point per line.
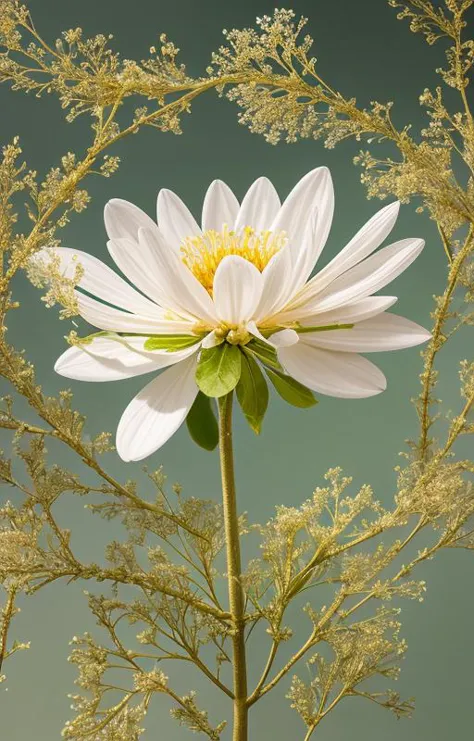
220	207
392	210
320	175
314	191
62	362
175	220
123	219
259	206
157	412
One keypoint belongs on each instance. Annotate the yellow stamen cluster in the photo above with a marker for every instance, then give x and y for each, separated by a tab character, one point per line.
203	254
236	335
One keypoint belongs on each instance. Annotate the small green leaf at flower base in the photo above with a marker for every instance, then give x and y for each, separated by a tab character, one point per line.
265	353
291	391
219	369
252	392
170	342
202	423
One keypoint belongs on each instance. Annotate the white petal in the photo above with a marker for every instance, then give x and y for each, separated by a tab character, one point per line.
138	263
367	277
276	276
175	220
80	365
283	338
253	329
159	272
381	333
259	206
340	374
220	207
114	320
124	219
288	272
155	414
304	261
361	246
109	360
180	288
357	311
210	340
314	191
113	347
98	279
237	289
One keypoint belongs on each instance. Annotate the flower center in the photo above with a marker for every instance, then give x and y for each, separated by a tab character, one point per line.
203	254
236	335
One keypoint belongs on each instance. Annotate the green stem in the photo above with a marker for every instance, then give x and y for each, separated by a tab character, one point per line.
236	595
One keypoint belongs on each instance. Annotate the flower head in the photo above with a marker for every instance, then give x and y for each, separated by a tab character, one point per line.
214	304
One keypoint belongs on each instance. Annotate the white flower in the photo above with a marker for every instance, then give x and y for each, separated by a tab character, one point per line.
244	274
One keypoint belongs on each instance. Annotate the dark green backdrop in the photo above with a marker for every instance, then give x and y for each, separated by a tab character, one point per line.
364	51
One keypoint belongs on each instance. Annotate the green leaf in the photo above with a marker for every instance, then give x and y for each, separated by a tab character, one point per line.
291	391
202	423
265	353
252	392
219	369
170	342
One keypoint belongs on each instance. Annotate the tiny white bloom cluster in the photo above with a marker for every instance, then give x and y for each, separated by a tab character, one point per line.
243	279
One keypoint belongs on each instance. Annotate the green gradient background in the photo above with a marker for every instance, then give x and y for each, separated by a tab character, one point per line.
364	52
